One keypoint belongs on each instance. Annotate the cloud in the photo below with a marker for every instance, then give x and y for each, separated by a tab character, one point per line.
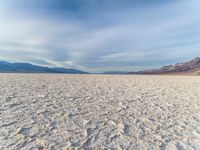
99	35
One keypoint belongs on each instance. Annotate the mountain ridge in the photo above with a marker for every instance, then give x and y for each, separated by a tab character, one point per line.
18	67
192	67
115	72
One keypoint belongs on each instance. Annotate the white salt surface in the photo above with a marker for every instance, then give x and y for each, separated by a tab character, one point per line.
43	111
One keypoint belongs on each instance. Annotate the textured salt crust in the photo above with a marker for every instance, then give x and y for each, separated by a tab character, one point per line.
99	112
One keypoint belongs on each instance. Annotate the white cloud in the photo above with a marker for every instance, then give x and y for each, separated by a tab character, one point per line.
156	34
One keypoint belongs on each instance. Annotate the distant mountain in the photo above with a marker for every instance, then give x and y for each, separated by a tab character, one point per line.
115	72
30	68
191	67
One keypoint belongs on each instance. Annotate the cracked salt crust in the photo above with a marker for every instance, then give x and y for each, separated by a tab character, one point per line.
43	111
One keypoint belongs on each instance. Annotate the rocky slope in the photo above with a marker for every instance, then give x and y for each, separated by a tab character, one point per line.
192	67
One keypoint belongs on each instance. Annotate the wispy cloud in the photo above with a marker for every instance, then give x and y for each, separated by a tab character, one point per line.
100	35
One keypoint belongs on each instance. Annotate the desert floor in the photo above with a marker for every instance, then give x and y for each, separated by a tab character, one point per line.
43	111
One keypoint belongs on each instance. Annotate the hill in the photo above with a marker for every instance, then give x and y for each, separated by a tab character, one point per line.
7	67
115	72
190	67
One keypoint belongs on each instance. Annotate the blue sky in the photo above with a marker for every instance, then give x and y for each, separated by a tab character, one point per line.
100	35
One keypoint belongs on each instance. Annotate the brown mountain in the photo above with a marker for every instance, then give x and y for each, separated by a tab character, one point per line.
190	67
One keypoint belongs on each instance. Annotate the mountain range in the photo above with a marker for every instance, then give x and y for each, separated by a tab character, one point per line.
115	72
7	67
189	67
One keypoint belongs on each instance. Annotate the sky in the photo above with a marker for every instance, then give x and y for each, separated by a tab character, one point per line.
100	35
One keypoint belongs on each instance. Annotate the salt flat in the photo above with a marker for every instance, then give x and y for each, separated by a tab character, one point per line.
43	111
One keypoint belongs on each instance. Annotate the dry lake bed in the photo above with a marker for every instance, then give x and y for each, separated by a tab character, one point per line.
114	112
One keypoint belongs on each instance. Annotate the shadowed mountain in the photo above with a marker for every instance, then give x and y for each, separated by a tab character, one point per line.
115	72
190	67
30	68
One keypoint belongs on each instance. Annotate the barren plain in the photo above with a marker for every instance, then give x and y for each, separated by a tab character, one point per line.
114	112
